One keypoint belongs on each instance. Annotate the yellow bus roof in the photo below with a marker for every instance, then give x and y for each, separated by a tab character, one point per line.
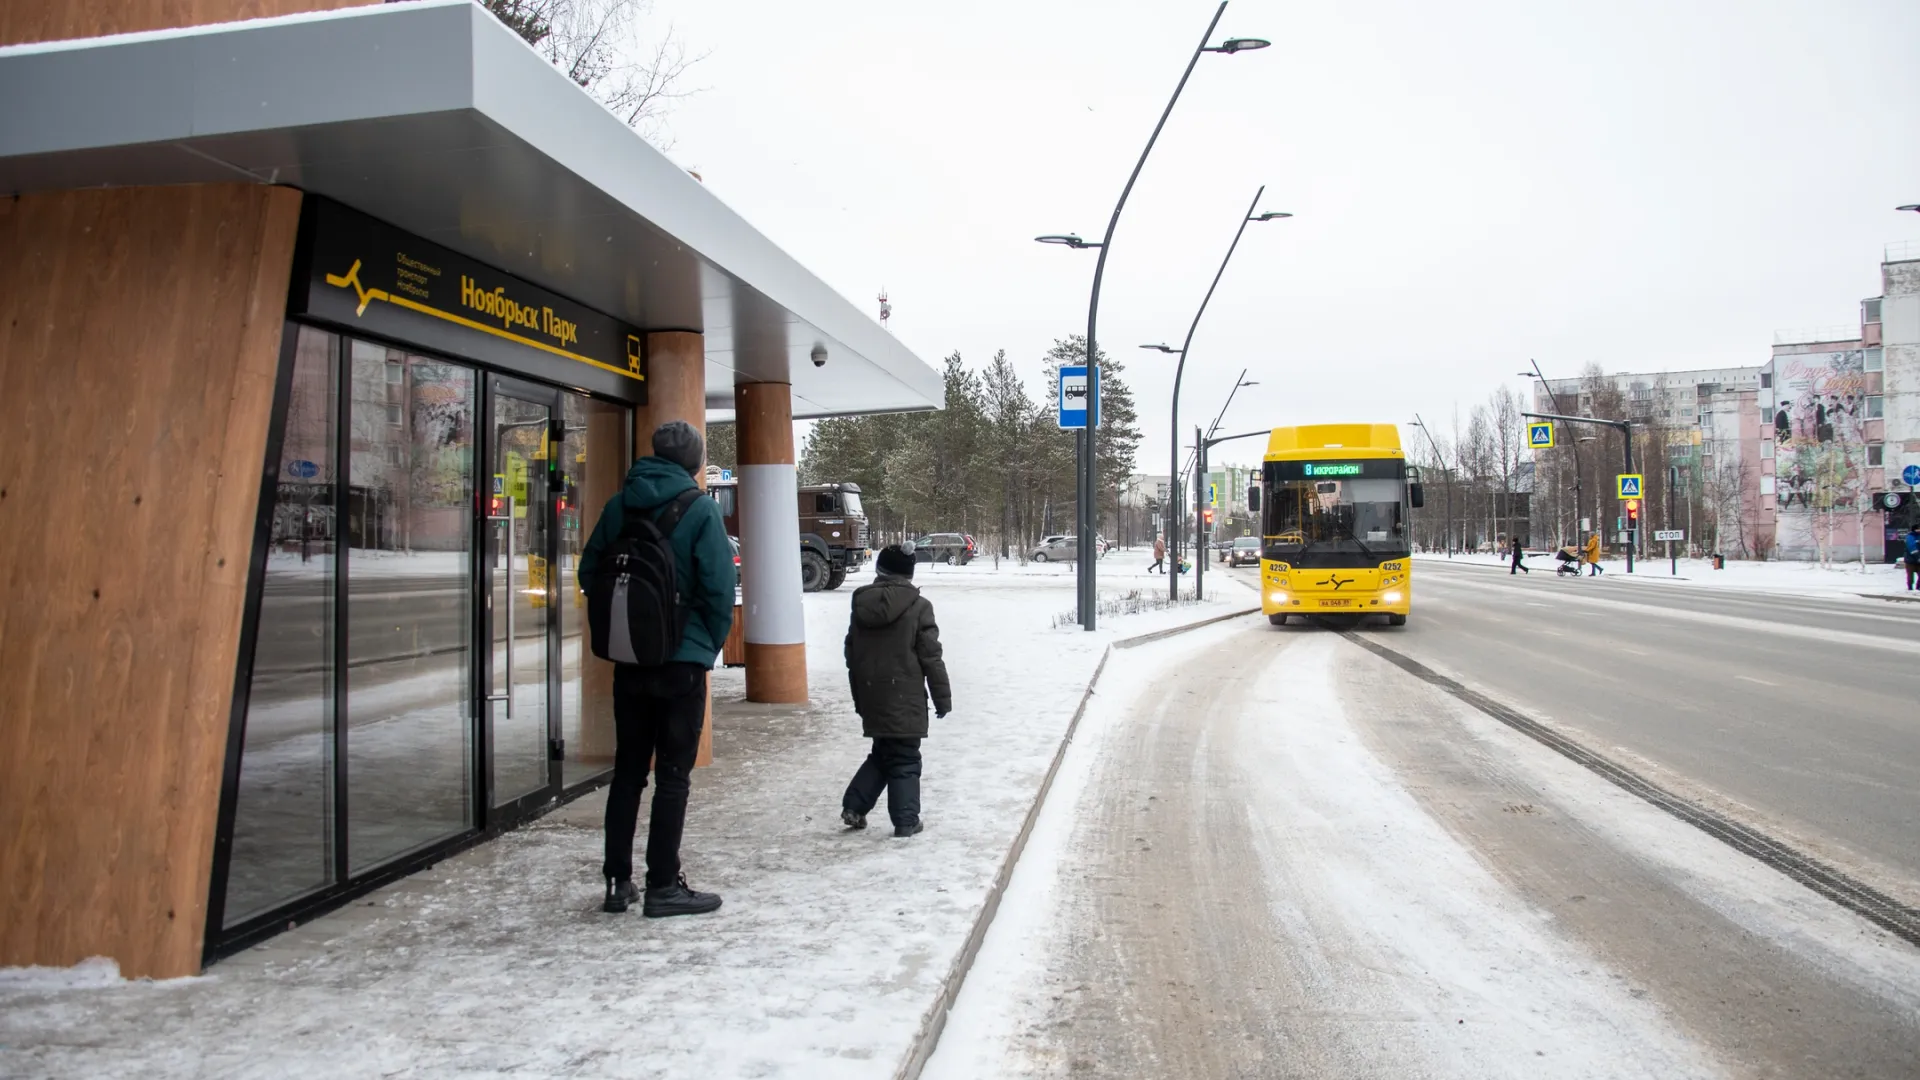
1334	440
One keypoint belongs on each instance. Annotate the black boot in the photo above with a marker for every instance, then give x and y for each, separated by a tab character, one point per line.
620	893
853	820
664	901
904	831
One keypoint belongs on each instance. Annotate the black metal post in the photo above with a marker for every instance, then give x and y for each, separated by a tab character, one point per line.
1633	527
1087	468
1673	477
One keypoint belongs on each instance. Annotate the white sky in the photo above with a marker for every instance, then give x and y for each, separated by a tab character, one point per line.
1648	185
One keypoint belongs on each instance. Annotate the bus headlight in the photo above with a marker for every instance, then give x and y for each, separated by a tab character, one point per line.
1393	597
1278	599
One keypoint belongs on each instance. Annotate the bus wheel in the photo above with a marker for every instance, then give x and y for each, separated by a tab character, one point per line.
1277	620
1396	620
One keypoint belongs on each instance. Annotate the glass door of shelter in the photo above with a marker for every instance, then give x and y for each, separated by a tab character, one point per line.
521	606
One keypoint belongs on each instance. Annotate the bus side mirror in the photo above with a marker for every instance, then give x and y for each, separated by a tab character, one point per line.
1417	495
1253	499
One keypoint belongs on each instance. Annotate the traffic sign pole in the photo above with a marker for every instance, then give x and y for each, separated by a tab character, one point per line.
1673	479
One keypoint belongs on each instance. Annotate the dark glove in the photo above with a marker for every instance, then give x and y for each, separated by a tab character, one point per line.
941	714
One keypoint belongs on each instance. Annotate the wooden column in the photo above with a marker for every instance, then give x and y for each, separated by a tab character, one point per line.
139	343
770	544
677	390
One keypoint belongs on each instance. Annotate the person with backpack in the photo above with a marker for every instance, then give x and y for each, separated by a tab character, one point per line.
1913	557
658	576
893	664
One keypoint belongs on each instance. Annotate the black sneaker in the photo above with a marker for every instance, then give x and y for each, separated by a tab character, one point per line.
902	831
620	894
853	820
676	899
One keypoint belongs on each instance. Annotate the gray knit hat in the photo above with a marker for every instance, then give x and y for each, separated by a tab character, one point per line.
680	443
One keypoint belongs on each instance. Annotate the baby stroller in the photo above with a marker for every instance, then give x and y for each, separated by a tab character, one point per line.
1569	562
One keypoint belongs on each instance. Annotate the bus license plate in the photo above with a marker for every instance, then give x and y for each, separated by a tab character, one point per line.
1336	603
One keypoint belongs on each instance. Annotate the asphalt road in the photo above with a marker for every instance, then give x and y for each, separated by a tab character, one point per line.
1799	715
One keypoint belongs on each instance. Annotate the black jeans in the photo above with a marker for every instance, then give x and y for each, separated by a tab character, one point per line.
657	716
892	765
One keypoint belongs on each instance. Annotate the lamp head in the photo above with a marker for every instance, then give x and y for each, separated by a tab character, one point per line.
1240	45
1071	240
1270	215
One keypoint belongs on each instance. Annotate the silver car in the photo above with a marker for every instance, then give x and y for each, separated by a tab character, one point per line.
1055	549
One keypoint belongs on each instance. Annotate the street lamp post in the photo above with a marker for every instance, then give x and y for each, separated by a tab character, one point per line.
1201	532
1179	370
1085	465
1573	441
1445	471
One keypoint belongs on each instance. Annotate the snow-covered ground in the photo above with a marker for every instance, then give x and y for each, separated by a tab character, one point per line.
1795	578
831	951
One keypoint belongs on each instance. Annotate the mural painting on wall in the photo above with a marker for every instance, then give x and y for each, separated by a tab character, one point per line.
1818	422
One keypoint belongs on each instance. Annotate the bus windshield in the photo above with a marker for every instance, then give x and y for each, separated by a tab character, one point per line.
1358	516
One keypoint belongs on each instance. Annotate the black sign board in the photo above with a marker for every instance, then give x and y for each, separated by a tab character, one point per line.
363	274
1334	468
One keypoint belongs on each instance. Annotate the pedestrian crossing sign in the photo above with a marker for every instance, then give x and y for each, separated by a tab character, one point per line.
1540	436
1629	485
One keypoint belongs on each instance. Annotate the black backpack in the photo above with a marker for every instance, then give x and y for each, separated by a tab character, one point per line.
635	614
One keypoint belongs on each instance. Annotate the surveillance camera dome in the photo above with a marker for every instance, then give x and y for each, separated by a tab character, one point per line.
819	356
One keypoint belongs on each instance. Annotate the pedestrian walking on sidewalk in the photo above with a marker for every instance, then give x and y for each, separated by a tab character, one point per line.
1518	554
893	664
1159	555
658	710
1593	555
1913	558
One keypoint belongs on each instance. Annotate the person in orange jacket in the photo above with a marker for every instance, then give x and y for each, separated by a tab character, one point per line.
1593	555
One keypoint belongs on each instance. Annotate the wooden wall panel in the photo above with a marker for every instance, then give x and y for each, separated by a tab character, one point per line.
139	336
22	21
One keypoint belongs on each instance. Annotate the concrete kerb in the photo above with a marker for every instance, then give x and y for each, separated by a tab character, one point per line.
935	1020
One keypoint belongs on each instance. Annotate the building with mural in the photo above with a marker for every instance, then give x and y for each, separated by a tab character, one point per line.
1812	455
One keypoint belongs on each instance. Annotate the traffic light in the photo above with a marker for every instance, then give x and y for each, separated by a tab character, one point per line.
1207	515
1633	513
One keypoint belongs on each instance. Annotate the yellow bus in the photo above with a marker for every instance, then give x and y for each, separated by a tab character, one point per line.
1334	502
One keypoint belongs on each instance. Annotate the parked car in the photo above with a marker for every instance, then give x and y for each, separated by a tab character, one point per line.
1055	549
953	549
1245	552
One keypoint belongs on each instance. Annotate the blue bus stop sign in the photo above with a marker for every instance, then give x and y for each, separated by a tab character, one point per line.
1079	404
1910	475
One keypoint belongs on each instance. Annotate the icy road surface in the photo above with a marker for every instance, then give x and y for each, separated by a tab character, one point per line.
1272	854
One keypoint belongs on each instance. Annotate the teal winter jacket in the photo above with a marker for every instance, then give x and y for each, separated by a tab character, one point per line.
703	560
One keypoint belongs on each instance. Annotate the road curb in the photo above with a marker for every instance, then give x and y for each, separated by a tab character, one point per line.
935	1019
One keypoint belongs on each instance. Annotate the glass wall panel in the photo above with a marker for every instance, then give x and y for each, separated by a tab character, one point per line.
284	820
409	567
594	461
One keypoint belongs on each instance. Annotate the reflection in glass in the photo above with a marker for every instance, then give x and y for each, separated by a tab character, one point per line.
593	465
517	521
283	821
409	599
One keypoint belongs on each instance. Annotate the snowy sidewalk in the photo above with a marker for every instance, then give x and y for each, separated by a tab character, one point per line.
1880	580
826	960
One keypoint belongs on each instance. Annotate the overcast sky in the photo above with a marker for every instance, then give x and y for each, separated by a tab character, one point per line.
1646	185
